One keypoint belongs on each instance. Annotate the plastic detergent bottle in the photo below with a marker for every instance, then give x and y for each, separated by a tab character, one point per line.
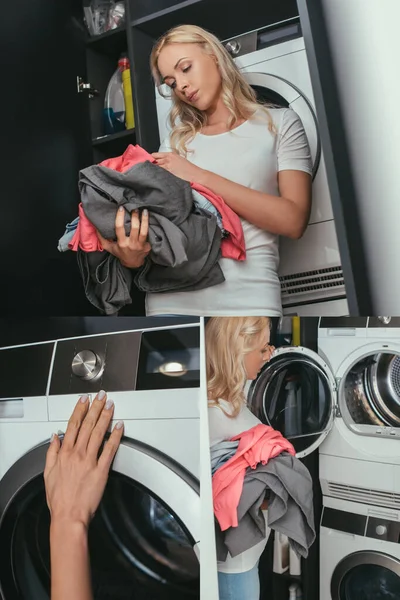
114	104
127	88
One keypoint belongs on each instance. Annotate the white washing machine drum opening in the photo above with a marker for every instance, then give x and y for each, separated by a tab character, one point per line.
280	93
139	548
369	393
366	576
294	395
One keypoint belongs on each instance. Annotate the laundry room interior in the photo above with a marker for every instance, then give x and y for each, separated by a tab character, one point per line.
331	388
296	54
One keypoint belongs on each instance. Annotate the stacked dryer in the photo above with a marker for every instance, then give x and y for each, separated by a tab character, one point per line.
360	461
274	62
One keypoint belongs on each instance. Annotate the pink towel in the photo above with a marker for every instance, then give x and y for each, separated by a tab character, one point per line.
233	246
257	445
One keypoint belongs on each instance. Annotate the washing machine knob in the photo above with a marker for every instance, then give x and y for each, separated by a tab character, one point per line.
385	320
87	365
233	47
381	530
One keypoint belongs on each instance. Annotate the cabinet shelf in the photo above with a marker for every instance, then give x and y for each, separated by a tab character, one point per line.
112	43
103	140
225	18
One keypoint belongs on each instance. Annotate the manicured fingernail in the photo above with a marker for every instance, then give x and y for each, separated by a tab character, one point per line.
145	212
121	209
84	398
53	437
101	395
119	425
109	404
59	432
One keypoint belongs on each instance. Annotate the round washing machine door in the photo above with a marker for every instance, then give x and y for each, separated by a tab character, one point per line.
277	91
294	393
366	574
143	540
369	390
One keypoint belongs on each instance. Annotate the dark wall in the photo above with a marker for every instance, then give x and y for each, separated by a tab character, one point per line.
43	143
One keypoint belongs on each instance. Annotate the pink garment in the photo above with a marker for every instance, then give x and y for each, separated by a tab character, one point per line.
257	445
85	236
233	246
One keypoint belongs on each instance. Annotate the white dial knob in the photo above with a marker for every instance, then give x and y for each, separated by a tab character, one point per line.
381	530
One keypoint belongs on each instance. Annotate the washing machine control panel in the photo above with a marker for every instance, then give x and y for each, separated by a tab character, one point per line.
379	528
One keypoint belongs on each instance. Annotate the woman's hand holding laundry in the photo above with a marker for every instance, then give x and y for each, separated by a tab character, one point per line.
75	476
130	250
177	165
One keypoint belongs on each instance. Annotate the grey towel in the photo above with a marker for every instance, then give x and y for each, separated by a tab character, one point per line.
185	240
288	485
221	453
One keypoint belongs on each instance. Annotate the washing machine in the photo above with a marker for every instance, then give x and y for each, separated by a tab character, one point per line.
274	62
145	537
344	400
360	552
360	458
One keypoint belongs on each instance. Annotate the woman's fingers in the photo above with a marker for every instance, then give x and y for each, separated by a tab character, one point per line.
111	447
90	421
120	225
144	227
99	431
52	453
75	422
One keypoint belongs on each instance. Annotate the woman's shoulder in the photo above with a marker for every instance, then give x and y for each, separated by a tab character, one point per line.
221	405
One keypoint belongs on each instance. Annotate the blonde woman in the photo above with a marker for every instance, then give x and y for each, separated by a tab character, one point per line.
236	350
256	158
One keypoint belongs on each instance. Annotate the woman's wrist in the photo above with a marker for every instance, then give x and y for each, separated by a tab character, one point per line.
67	528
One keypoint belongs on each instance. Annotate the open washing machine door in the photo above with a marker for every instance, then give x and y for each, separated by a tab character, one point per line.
143	540
295	394
366	574
369	390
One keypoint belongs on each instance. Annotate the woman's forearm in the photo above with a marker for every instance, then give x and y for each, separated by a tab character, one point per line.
70	567
272	213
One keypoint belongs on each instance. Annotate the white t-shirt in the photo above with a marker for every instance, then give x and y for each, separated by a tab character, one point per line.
252	156
223	428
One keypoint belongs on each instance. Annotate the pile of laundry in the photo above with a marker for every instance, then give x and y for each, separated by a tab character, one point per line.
190	228
257	465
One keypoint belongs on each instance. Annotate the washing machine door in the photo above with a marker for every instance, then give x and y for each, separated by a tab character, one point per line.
295	394
280	92
369	390
143	540
366	574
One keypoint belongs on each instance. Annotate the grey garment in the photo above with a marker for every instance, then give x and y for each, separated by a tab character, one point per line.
185	240
106	282
202	202
221	453
288	486
68	235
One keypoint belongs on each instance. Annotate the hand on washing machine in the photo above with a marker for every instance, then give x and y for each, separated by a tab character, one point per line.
75	475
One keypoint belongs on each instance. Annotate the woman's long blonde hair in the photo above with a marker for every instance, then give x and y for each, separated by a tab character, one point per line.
228	340
237	95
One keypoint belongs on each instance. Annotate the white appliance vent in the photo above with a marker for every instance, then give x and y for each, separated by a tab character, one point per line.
363	495
330	278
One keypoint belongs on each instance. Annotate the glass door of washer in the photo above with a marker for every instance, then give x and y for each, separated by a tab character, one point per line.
366	575
143	545
295	393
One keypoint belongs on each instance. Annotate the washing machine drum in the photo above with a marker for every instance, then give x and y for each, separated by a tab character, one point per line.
372	390
138	549
366	575
293	395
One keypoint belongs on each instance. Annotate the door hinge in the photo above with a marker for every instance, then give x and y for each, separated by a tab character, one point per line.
336	412
82	86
